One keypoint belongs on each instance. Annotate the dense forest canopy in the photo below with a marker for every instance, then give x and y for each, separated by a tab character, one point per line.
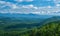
48	29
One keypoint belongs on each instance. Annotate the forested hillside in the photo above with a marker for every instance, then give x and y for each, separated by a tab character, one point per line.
11	26
48	29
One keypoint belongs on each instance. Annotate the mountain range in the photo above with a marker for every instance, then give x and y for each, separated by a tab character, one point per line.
24	22
14	21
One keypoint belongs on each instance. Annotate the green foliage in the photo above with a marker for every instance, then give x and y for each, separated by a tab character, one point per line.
49	29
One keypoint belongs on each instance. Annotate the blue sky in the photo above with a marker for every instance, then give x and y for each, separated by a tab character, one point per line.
33	2
43	7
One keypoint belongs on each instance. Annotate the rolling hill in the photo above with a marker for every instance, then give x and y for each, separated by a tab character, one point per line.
51	28
29	25
13	21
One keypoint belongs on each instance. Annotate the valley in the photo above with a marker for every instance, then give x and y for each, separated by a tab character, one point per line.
29	25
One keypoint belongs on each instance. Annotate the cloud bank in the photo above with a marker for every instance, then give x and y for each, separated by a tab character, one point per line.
8	7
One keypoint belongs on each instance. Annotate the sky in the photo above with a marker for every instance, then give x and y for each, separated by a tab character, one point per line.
42	7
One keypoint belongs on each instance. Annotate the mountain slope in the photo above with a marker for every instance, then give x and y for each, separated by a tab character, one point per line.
50	29
47	29
15	22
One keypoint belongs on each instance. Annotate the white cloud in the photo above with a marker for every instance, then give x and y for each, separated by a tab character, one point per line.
18	0
14	7
29	0
49	7
29	9
35	7
56	1
11	5
28	6
48	0
2	2
23	0
57	5
31	6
